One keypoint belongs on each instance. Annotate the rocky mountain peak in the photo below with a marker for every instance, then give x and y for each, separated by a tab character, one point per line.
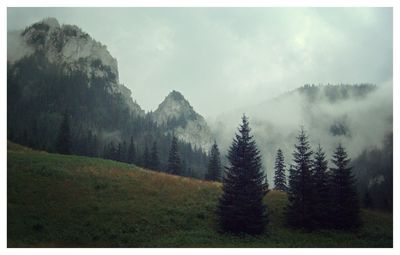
174	106
177	115
176	95
65	44
51	22
68	46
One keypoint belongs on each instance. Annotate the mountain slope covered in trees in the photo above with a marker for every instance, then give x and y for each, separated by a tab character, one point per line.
56	70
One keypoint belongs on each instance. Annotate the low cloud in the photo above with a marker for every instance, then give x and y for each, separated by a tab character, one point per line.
358	124
222	58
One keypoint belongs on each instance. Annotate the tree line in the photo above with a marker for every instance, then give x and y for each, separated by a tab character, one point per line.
318	197
132	153
101	121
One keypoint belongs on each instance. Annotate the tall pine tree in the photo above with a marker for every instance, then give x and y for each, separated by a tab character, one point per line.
321	196
345	204
299	211
154	160
174	160
63	143
119	152
131	152
280	176
214	164
146	157
124	152
111	151
241	208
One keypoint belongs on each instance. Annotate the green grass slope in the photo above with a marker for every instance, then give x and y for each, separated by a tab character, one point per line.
71	201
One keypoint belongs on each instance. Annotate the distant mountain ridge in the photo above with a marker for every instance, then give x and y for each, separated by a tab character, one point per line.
333	93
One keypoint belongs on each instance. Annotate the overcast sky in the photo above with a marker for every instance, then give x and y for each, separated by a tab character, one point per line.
225	58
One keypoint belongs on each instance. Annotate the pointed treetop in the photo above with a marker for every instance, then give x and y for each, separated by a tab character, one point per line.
244	128
340	157
241	208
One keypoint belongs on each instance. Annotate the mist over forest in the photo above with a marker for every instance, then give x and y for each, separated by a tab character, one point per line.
359	117
269	133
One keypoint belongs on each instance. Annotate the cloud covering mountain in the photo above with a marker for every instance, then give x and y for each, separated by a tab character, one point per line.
241	55
359	117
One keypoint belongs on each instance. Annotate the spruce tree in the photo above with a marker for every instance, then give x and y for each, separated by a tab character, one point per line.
299	211
321	196
280	176
174	161
241	208
119	152
131	152
63	144
214	164
93	146
345	204
146	157
124	152
154	160
111	151
105	152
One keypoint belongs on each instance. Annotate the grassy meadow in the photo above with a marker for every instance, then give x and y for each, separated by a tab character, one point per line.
73	201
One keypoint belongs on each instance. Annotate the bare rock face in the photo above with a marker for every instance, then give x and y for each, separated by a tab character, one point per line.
69	46
73	49
177	116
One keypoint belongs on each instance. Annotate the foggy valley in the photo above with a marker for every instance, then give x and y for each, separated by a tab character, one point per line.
181	123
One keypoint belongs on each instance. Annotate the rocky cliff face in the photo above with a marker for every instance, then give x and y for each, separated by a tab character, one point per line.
69	46
72	49
176	115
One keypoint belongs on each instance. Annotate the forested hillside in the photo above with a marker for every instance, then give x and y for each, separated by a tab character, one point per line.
357	115
67	75
72	201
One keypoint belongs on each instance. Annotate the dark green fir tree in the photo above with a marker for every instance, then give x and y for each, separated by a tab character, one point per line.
63	143
320	175
174	160
154	160
214	165
299	211
146	157
345	210
280	175
119	152
241	208
131	152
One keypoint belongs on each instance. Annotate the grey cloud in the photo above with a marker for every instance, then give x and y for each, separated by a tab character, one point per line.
222	58
275	124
